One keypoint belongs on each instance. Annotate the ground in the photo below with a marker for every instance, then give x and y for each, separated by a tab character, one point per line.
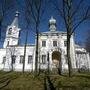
27	81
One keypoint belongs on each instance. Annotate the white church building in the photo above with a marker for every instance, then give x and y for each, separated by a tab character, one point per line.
52	50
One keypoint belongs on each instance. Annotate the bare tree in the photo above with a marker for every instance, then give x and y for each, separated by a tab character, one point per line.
36	9
73	16
27	14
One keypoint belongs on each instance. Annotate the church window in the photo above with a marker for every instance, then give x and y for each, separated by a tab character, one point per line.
13	59
43	43
30	59
65	43
10	31
4	59
54	43
21	59
43	59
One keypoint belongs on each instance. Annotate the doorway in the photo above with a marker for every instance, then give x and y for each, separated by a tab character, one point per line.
56	61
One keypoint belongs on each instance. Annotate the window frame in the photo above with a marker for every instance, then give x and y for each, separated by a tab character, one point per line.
13	57
44	59
43	43
21	60
54	43
30	59
10	31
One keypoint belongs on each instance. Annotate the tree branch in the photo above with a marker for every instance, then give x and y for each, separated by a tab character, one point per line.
86	17
77	8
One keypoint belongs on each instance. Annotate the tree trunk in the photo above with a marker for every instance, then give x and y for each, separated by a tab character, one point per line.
0	28
25	50
36	56
69	29
48	63
60	67
68	55
24	58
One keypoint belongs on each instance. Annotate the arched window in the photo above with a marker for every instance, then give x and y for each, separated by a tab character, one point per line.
10	31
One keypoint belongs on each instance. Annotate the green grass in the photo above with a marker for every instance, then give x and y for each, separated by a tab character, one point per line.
27	81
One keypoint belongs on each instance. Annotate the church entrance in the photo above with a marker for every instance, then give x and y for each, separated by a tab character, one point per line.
56	61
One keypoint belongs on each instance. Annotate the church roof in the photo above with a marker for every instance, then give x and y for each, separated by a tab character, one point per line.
54	32
15	21
80	49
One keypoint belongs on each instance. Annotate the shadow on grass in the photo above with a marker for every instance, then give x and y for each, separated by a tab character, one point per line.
73	88
48	85
6	84
83	76
45	84
6	79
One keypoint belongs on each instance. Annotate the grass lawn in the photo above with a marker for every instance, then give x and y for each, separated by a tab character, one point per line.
27	81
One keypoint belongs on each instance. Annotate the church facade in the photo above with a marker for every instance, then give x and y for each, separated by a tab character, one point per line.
52	52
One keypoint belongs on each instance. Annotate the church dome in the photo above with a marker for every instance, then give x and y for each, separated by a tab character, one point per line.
52	24
52	21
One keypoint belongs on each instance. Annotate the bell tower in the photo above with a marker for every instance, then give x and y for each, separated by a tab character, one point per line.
12	33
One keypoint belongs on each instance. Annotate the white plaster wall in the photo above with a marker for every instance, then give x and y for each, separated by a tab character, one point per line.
72	50
18	52
2	54
49	47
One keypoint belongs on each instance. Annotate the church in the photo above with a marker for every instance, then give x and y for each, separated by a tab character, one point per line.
52	50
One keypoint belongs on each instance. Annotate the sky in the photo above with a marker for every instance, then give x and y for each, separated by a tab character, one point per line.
80	33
